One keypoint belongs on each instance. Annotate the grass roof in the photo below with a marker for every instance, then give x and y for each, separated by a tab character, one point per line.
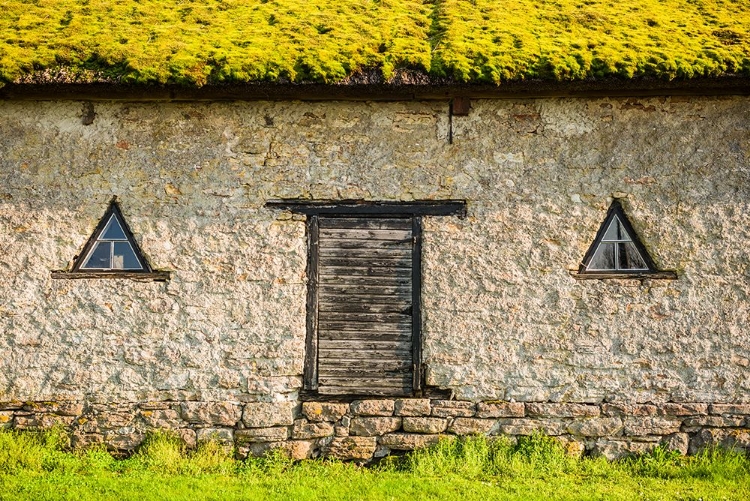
198	42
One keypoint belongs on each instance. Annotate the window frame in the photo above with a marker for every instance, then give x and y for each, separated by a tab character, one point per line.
616	211
77	271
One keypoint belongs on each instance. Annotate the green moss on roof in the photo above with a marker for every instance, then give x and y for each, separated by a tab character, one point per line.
215	41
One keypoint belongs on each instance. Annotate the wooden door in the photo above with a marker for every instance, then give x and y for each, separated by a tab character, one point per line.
365	305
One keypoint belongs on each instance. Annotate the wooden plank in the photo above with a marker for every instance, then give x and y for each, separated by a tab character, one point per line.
398	253
310	375
371	208
401	291
327	325
367	391
363	234
366	223
358	263
326	280
400	381
379	318
148	276
363	345
333	354
363	298
391	307
366	271
330	243
381	365
357	362
416	300
404	335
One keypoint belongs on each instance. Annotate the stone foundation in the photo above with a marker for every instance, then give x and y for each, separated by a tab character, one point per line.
368	429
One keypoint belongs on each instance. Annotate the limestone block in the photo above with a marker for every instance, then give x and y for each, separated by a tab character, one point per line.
640	426
6	419
81	440
372	407
341	430
161	418
408	441
294	449
679	442
621	409
320	411
304	430
453	408
267	414
273	434
374	426
224	436
412	407
211	413
561	410
709	437
596	427
62	408
693	424
123	439
188	436
471	426
155	405
500	409
573	446
425	424
299	449
41	421
351	447
682	409
741	409
527	426
11	405
617	449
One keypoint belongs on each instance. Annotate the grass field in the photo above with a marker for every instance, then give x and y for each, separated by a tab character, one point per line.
37	467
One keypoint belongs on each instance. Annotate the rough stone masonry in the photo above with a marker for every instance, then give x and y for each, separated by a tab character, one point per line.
610	366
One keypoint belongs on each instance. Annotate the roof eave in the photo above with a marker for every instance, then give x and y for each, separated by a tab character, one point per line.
440	90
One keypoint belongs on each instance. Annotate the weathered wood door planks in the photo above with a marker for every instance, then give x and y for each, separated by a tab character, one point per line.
364	305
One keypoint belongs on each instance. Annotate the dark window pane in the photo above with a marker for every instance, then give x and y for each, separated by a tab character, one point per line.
616	231
124	257
604	258
629	258
99	257
113	231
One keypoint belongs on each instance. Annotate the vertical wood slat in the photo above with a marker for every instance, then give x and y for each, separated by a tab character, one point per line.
416	304
311	343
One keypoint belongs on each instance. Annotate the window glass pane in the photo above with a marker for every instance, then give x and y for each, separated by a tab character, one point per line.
99	257
124	257
611	233
604	258
629	258
113	231
616	231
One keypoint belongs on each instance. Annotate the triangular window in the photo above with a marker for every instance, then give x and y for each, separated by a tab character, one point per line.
616	248
112	247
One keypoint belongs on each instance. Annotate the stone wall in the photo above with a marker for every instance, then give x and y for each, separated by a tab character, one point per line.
369	429
502	318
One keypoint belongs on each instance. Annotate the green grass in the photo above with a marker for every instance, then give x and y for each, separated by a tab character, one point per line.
192	42
38	467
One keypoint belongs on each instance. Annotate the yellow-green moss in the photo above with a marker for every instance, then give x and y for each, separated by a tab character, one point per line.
212	41
486	40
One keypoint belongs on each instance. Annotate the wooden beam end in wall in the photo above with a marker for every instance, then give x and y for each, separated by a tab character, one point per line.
461	106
